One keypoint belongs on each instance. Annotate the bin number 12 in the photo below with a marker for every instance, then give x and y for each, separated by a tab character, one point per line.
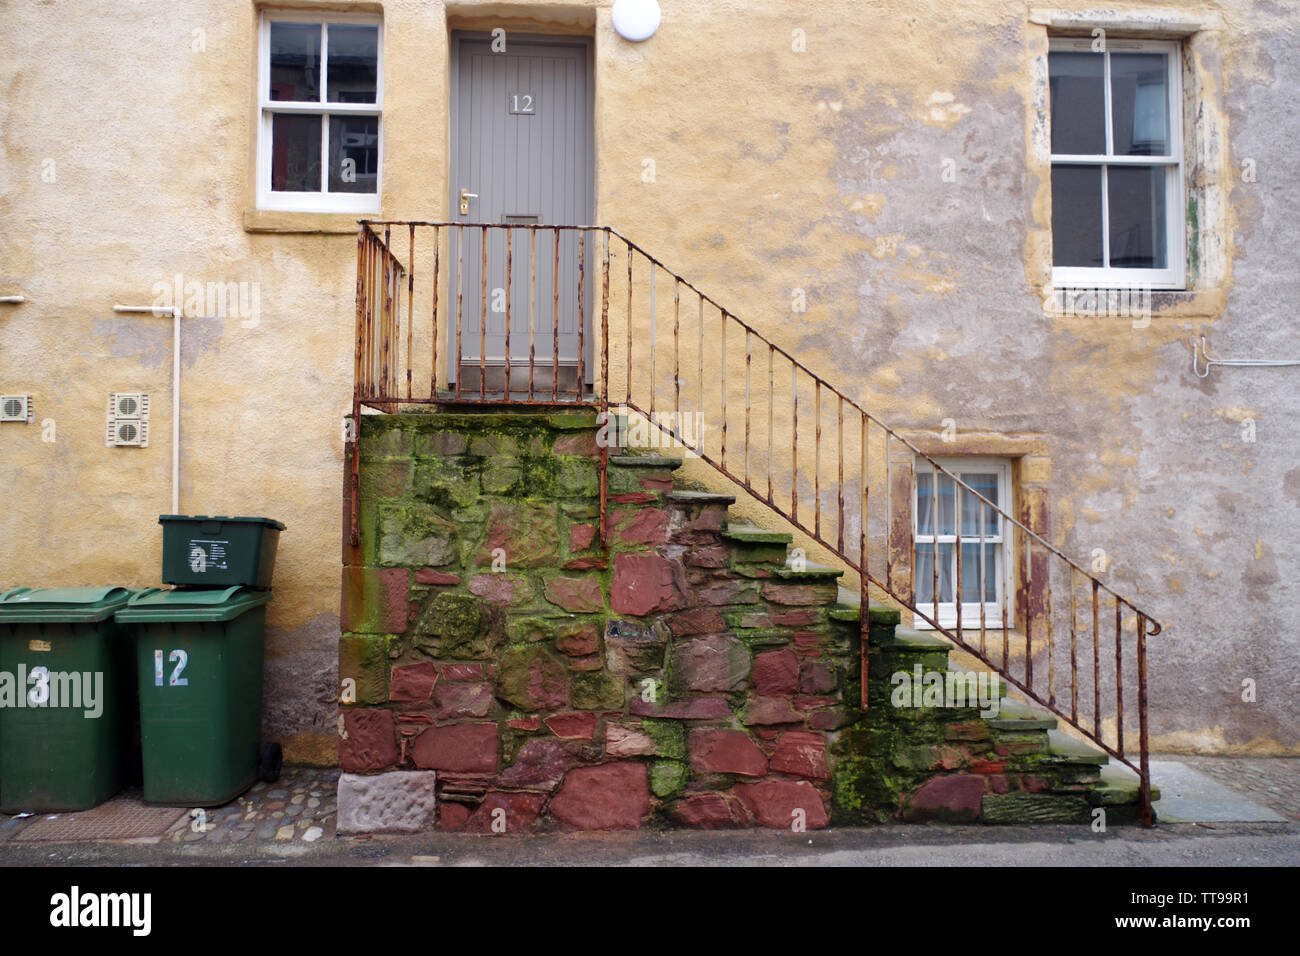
180	658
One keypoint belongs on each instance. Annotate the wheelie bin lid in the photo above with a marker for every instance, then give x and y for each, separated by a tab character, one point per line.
61	605
196	605
241	519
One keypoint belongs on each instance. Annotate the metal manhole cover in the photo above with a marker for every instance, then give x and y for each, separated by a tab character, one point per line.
124	817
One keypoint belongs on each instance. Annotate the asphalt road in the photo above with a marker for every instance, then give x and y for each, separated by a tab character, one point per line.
1168	845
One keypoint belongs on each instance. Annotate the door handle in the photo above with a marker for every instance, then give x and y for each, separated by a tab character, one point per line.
465	197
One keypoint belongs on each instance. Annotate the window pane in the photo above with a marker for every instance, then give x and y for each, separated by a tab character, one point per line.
1076	216
987	485
1078	102
925	504
925	574
924	520
970	573
295	153
1140	103
295	61
354	153
1137	217
353	61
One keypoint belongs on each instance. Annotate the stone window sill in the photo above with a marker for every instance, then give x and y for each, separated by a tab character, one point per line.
322	223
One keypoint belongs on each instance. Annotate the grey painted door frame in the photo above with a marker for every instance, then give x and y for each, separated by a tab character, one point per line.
500	183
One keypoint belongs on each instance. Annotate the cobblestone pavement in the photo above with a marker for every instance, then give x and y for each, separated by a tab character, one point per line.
298	808
1273	782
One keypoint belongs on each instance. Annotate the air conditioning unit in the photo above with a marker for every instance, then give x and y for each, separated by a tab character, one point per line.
15	408
128	420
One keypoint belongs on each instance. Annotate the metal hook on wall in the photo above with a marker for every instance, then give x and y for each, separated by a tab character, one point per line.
1201	351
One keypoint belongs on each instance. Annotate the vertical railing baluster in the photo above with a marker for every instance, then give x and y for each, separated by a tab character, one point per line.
866	510
1119	679
747	401
506	389
817	458
604	393
386	307
532	310
677	358
722	318
839	456
1029	611
555	323
460	307
864	577
1096	661
410	308
1144	787
771	445
889	516
957	522
699	371
794	443
1074	650
983	581
935	525
433	377
482	316
627	409
653	336
582	317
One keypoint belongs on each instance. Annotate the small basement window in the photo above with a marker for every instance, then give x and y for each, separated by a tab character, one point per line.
985	542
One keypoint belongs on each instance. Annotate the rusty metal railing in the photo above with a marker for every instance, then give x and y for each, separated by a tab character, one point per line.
686	366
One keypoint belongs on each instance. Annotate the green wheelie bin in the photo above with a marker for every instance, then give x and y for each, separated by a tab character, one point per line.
67	698
199	665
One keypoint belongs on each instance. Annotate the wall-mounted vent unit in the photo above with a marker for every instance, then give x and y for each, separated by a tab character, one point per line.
16	408
128	420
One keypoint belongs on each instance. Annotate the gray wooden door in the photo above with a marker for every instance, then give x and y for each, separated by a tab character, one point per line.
522	141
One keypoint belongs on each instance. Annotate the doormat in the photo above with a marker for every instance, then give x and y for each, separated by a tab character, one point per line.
125	817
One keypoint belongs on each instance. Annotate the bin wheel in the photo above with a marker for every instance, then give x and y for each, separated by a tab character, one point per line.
272	758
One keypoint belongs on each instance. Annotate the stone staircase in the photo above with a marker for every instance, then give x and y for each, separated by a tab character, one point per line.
913	755
688	674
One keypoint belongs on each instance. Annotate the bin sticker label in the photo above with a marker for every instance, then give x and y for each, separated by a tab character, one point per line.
178	657
37	645
208	554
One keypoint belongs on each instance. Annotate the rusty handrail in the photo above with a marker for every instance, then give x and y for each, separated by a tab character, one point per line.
379	369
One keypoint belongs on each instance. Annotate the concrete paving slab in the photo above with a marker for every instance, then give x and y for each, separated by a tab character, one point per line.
1189	796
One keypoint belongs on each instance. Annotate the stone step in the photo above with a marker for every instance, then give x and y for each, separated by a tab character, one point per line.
879	614
809	572
1065	749
699	498
654	462
1118	787
1013	715
751	534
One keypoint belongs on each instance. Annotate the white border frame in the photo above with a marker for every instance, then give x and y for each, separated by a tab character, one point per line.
1174	276
315	201
970	610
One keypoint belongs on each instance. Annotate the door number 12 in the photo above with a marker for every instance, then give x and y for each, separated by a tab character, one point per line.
522	103
180	658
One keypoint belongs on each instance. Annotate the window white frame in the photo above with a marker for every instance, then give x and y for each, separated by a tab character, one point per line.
1174	276
323	201
998	533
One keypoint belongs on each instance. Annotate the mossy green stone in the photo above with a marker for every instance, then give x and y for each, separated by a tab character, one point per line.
669	737
667	778
414	535
364	659
596	690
